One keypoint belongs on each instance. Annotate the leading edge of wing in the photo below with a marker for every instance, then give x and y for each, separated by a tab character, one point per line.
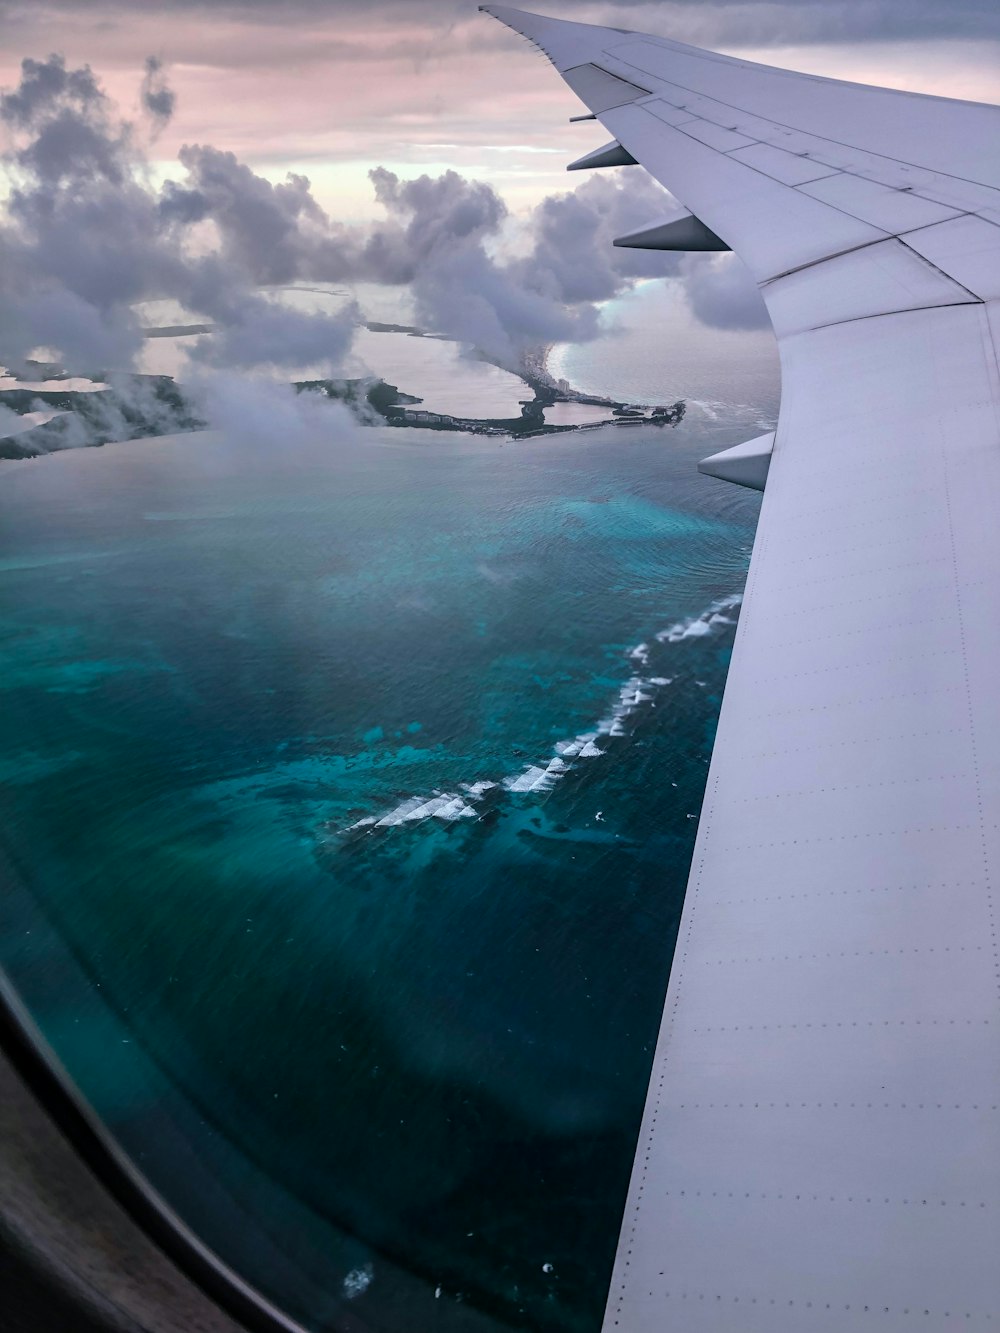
934	134
564	41
792	171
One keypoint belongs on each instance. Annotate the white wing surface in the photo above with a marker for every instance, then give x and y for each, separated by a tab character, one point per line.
821	1142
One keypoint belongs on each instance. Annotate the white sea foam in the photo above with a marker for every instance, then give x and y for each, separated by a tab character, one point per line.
575	748
637	692
532	779
698	626
357	1281
442	805
711	410
535	778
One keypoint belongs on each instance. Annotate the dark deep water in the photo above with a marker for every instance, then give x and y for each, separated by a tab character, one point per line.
398	1067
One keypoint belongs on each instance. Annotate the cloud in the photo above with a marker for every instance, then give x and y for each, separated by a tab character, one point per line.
330	90
442	238
721	292
275	233
473	298
158	100
11	422
573	258
67	125
86	237
84	337
261	332
259	413
45	83
439	211
438	239
724	21
782	22
439	236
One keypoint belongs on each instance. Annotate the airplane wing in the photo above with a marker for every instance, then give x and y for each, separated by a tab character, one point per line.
821	1142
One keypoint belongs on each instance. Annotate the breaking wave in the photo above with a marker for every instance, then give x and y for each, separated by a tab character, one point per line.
637	694
698	626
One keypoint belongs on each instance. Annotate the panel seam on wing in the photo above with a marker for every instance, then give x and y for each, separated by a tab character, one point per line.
881	314
792	129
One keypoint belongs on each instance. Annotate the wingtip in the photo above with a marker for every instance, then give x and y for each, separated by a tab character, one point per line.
498	12
565	42
503	14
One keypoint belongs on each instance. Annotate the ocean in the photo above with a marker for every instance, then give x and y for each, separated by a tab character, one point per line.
349	793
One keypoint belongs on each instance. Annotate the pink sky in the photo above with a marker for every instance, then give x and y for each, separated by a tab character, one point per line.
336	92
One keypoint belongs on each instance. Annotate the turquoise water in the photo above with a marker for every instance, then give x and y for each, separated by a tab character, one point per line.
381	1032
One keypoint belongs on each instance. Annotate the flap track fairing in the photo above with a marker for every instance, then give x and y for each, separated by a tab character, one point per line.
682	231
611	155
745	464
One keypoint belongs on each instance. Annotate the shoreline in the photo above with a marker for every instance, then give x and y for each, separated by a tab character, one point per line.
81	416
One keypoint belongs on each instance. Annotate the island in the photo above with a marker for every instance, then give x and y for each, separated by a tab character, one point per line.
47	409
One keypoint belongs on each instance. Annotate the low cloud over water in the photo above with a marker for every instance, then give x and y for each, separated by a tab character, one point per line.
89	235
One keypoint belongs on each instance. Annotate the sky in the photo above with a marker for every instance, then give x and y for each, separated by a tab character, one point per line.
331	88
195	151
